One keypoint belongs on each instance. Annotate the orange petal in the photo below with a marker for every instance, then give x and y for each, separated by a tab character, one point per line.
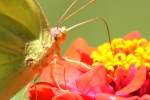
135	84
133	35
78	44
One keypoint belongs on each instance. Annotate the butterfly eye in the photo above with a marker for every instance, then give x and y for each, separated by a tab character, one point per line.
60	38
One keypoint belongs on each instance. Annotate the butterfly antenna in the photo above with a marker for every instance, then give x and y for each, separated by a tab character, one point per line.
66	12
44	21
91	20
108	32
78	10
42	14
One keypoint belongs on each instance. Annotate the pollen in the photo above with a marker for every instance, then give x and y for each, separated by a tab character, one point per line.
123	53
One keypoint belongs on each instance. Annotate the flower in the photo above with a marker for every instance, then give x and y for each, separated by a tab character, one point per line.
118	71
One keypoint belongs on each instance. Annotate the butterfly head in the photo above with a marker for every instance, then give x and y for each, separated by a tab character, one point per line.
59	34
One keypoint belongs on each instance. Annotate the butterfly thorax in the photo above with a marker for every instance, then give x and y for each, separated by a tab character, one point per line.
58	37
39	49
36	49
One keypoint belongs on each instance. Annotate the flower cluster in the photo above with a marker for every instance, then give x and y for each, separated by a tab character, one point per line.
123	53
119	71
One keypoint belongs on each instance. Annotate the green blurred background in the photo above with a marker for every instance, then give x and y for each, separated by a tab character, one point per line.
123	16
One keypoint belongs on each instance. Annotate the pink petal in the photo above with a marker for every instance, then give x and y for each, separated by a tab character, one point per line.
88	81
68	96
81	44
145	97
104	96
133	35
135	84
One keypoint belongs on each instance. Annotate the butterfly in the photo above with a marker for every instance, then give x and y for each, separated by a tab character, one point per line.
21	22
26	39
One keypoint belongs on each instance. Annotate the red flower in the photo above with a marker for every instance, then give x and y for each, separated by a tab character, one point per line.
44	91
97	83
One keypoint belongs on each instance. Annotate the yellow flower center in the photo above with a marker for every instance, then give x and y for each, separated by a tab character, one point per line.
124	53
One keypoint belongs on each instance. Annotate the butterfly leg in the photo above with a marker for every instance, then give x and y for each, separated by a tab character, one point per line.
77	62
53	67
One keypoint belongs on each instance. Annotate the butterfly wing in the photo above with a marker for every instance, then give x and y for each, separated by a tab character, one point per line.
21	21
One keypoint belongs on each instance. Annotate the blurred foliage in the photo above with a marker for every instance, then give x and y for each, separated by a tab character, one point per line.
123	16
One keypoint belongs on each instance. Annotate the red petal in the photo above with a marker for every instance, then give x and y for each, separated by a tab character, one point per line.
91	79
122	78
120	75
65	72
130	75
106	88
81	44
85	57
103	96
135	84
41	91
133	35
145	89
68	96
